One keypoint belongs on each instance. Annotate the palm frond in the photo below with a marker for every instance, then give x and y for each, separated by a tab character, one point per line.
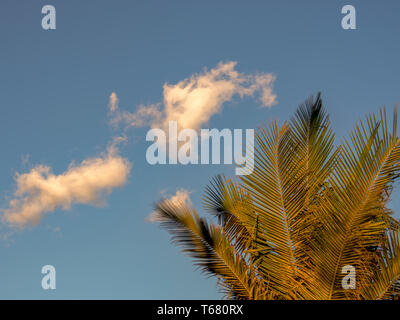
208	245
355	214
386	281
277	200
231	204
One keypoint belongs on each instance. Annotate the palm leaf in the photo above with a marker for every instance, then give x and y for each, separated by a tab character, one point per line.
355	215
208	245
386	281
231	204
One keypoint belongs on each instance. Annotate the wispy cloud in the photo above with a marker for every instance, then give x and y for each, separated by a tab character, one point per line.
142	117
40	191
113	103
25	159
193	101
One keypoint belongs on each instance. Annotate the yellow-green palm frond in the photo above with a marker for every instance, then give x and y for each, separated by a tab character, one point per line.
211	250
231	204
313	144
315	156
355	215
278	197
292	163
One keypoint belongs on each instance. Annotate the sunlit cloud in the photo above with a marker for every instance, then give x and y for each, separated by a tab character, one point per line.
181	197
193	101
142	117
113	103
40	191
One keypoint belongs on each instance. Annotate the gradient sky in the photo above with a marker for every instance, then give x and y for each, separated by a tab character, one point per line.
55	87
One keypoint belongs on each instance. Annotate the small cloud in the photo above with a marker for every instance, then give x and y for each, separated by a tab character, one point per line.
40	191
181	197
113	103
142	117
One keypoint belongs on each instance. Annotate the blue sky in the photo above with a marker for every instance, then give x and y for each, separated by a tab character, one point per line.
55	89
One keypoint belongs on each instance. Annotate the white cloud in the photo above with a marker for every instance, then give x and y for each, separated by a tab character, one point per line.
193	101
40	191
181	197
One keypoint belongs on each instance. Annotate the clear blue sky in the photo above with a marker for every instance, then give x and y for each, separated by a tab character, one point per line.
55	87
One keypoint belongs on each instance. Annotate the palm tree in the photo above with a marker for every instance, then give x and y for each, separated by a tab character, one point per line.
309	209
